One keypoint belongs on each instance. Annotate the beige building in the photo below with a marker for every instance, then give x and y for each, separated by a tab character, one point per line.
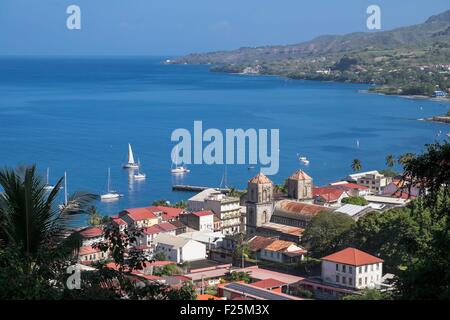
300	186
373	180
227	209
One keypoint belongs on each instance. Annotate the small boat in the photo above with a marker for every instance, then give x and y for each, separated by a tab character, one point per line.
130	164
139	175
178	169
110	195
250	167
47	186
181	169
303	160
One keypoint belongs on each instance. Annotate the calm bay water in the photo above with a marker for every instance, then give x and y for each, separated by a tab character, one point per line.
77	115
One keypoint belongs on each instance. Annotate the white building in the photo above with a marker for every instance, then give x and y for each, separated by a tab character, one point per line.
355	211
352	268
197	202
373	180
228	210
200	220
179	249
208	238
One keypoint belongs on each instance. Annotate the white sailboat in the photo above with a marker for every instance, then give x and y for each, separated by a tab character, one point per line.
110	195
139	175
48	187
130	164
178	169
303	160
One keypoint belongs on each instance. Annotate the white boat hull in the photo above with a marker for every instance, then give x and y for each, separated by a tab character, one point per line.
110	196
139	176
131	166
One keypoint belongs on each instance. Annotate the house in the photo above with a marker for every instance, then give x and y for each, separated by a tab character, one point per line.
375	181
228	211
200	220
439	93
119	222
282	252
164	213
89	254
281	231
355	211
149	233
352	268
91	235
352	189
329	196
389	202
270	284
197	202
179	249
208	238
139	217
400	188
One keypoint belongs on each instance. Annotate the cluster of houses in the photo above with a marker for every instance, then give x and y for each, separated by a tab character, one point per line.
202	238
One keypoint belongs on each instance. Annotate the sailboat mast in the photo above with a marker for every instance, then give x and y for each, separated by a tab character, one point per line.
109	179
65	188
48	173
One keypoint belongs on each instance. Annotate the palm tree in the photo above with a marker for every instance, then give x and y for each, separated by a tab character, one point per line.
405	158
95	218
356	165
31	224
390	160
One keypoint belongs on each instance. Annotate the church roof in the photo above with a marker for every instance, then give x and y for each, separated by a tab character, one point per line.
260	178
297	210
300	175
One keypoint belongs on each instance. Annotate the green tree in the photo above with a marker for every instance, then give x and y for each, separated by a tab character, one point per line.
242	250
390	160
356	165
235	276
323	235
34	248
359	201
95	218
368	294
159	256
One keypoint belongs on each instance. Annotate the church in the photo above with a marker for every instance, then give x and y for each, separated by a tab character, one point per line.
285	218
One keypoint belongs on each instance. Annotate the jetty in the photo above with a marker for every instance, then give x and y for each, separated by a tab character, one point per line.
189	188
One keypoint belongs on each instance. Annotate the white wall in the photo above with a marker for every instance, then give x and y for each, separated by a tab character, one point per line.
193	250
373	275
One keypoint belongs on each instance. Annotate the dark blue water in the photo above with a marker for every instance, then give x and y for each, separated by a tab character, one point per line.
79	114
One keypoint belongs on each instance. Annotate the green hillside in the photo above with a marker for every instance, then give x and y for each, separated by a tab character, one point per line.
412	60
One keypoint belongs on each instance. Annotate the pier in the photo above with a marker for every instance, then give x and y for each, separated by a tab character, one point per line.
182	187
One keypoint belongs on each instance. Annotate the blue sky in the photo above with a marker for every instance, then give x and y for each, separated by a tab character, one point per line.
173	27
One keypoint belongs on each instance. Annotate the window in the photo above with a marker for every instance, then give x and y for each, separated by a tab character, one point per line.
360	281
365	269
337	279
344	280
337	267
371	267
343	268
360	269
350	269
378	266
350	281
365	280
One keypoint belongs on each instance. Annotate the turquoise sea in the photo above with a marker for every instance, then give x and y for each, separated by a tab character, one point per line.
78	114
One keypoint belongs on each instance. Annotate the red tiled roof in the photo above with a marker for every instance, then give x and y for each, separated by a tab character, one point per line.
202	213
402	195
260	178
268	283
353	257
138	214
167	212
207	297
118	221
88	250
258	242
158	228
329	194
91	232
300	175
351	186
278	245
